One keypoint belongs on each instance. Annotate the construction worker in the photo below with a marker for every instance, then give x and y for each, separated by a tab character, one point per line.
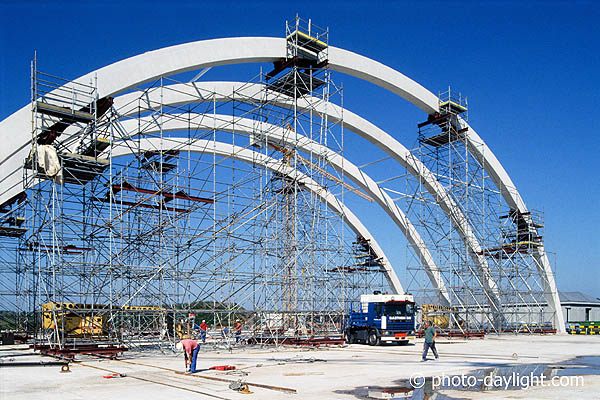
430	336
238	330
190	348
203	329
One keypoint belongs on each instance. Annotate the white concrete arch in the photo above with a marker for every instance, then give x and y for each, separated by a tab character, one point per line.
133	71
253	157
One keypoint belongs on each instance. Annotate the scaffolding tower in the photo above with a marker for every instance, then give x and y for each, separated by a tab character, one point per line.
506	238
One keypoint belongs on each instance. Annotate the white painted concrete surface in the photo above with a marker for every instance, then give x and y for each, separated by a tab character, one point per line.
343	371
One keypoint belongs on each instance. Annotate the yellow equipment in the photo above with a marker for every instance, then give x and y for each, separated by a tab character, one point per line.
75	319
83	320
185	329
437	315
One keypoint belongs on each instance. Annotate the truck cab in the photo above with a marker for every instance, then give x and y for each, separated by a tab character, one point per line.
382	318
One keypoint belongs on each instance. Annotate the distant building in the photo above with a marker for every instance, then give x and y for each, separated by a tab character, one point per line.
577	306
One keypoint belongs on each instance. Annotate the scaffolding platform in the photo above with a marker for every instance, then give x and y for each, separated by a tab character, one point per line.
523	223
444	138
374	264
284	63
304	40
184	196
506	250
158	207
157	161
80	169
8	204
97	146
49	134
13	221
167	154
77	169
307	46
68	249
351	270
10	222
65	113
304	83
116	188
452	107
12	231
446	121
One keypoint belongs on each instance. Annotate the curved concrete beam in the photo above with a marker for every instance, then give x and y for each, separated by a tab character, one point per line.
252	157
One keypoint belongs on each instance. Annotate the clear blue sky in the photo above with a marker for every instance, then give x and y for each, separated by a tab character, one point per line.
530	70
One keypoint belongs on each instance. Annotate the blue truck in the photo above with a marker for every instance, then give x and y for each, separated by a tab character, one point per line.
382	318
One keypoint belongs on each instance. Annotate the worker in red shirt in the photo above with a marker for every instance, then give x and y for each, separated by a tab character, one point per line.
238	330
203	329
190	348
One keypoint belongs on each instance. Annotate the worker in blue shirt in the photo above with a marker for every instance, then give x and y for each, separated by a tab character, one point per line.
430	336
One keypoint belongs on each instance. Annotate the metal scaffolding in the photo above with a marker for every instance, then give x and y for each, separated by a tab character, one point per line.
137	225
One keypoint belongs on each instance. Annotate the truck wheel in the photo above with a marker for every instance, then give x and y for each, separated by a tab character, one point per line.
373	339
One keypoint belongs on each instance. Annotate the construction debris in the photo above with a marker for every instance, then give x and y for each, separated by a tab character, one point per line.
240	386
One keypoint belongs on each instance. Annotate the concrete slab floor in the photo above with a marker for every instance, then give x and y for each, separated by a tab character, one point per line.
325	373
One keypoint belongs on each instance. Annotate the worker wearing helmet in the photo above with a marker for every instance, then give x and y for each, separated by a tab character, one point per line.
203	329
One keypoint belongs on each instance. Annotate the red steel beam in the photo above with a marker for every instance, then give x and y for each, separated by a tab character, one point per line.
168	196
184	196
